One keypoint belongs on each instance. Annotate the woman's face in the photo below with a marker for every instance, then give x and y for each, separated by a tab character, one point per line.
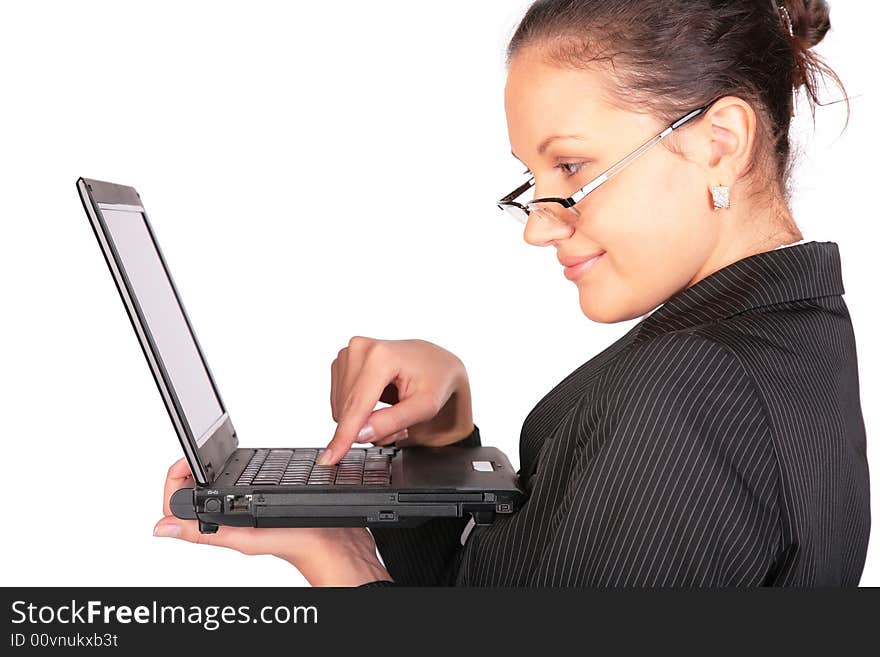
654	220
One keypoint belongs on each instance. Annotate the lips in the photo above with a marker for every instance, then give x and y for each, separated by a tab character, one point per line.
574	272
572	261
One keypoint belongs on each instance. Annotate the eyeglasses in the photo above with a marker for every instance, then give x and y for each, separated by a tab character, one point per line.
562	210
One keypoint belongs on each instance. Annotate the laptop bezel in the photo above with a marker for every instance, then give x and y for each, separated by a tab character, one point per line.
206	462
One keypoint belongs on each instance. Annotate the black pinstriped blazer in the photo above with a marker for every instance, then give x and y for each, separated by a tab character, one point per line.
720	442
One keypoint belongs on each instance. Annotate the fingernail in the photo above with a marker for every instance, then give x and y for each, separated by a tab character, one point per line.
167	531
324	459
366	434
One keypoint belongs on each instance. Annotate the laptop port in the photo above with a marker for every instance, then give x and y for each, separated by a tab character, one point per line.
386	515
238	503
504	507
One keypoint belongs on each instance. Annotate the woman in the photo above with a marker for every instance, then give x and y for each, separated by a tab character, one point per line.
720	441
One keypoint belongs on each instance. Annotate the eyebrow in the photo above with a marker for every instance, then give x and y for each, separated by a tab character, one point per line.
544	144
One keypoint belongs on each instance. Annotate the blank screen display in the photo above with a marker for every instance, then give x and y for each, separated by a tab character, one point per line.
165	320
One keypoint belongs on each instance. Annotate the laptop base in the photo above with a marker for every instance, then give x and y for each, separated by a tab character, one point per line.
349	509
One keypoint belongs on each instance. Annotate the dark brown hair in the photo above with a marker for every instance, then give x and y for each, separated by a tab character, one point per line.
668	57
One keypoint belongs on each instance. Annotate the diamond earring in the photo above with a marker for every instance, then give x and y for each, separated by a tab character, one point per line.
721	197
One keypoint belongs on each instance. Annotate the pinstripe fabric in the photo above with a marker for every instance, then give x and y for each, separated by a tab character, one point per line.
720	442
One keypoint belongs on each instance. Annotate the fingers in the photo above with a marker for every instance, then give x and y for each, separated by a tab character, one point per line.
385	422
403	441
173	527
188	530
333	388
389	424
365	392
179	476
339	375
287	543
393	438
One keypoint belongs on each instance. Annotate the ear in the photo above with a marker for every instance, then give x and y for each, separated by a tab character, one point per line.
722	142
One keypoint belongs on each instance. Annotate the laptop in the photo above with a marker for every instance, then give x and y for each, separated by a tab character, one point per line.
273	487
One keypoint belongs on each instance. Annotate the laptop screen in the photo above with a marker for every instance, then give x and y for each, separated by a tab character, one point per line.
165	320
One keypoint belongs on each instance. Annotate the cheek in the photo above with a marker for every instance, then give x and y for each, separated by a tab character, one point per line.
634	280
652	234
646	213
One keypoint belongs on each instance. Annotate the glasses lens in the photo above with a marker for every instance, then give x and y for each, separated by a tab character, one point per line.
516	213
514	171
551	211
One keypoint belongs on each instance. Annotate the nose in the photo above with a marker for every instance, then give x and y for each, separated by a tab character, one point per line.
541	232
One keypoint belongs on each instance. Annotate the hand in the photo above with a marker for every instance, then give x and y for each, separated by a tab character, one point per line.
426	385
326	556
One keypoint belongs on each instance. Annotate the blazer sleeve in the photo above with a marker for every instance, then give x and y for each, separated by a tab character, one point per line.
682	489
423	555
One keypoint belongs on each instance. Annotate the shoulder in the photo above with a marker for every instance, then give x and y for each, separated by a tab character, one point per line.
673	361
683	383
683	416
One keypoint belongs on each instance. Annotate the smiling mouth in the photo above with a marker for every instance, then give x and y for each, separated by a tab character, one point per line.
574	272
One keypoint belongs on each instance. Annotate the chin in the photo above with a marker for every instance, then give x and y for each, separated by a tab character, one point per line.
600	312
605	312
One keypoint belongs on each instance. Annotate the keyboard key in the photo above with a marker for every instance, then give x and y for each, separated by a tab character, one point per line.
297	467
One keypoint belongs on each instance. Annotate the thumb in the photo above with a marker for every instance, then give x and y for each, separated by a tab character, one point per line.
386	425
377	426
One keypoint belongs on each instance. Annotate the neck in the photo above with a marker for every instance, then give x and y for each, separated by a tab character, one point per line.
748	231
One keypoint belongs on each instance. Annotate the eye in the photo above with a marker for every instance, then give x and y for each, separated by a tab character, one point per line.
570	164
563	166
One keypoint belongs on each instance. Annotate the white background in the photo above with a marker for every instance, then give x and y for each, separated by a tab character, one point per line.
313	171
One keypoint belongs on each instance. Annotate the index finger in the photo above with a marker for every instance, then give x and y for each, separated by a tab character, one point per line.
366	389
178	476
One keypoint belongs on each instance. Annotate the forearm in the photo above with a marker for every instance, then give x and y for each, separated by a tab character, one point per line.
464	413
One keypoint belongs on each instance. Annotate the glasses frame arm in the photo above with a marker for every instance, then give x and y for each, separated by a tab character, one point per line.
606	175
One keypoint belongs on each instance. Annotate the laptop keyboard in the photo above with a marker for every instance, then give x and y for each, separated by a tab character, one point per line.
296	467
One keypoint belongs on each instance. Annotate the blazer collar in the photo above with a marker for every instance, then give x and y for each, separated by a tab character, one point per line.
804	271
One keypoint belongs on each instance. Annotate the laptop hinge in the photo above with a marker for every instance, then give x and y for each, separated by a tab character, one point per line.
218	448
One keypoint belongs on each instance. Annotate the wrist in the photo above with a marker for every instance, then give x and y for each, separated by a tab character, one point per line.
470	439
341	564
460	434
350	571
464	414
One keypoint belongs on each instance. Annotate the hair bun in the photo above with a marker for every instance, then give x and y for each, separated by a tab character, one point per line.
810	22
810	19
